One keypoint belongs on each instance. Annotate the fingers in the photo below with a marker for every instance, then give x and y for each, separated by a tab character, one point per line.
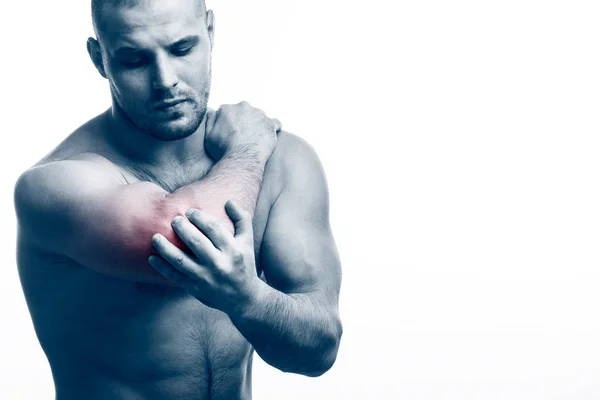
242	220
244	105
212	229
195	240
211	118
176	257
169	272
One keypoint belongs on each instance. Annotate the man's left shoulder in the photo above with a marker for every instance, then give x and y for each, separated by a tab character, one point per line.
294	156
295	171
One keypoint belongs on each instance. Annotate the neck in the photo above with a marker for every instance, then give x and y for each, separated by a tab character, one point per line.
143	149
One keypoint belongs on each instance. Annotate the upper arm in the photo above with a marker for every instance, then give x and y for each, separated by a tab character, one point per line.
298	253
80	208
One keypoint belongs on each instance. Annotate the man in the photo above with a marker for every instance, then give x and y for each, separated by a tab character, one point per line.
162	242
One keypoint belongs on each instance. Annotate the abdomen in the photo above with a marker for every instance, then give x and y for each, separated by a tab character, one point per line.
115	339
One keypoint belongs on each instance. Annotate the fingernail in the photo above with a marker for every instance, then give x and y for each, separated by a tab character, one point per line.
176	219
189	212
156	238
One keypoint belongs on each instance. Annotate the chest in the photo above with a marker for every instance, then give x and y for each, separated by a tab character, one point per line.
135	331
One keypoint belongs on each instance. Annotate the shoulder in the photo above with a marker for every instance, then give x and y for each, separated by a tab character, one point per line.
295	175
88	138
294	160
292	149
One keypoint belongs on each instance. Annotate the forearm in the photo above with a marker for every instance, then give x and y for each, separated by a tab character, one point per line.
237	176
292	332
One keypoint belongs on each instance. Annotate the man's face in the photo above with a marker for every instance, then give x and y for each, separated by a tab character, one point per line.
157	58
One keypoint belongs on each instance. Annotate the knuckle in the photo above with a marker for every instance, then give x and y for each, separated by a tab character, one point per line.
196	241
212	226
219	267
237	258
179	261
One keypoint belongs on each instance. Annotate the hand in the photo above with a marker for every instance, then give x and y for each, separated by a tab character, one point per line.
221	272
237	127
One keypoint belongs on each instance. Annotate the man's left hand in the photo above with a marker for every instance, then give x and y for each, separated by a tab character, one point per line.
221	272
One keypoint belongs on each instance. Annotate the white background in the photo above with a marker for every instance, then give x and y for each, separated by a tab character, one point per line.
460	140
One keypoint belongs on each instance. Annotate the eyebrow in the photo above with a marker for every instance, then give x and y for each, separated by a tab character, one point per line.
190	40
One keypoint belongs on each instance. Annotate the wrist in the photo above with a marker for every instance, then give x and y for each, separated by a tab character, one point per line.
257	293
250	151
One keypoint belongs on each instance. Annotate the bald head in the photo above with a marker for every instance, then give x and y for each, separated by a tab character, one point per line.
98	6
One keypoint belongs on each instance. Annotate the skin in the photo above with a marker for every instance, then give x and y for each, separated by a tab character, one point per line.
121	315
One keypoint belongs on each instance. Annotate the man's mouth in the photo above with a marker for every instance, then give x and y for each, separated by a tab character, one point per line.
166	105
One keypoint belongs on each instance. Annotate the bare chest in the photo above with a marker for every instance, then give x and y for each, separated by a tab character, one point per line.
153	341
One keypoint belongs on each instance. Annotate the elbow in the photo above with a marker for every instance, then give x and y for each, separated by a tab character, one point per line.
320	367
328	351
324	354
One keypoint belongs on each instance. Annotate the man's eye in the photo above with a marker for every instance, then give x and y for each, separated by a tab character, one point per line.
181	51
133	62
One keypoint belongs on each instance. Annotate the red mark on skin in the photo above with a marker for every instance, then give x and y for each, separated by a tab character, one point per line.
175	240
172	237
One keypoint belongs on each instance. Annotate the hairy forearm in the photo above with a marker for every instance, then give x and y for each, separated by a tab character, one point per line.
292	332
237	176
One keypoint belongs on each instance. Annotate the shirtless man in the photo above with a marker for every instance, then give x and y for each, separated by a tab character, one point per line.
162	242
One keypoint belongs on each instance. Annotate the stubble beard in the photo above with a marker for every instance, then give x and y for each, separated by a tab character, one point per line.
178	127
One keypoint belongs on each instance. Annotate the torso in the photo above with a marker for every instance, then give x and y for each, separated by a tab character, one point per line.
107	338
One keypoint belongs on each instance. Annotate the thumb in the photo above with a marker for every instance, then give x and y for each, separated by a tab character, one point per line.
242	220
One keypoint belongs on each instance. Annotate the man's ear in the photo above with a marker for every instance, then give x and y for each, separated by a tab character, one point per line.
210	26
93	48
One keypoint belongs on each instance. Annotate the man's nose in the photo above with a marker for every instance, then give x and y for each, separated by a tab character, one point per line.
165	75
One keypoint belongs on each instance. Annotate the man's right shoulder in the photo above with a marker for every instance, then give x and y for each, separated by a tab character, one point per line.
84	143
